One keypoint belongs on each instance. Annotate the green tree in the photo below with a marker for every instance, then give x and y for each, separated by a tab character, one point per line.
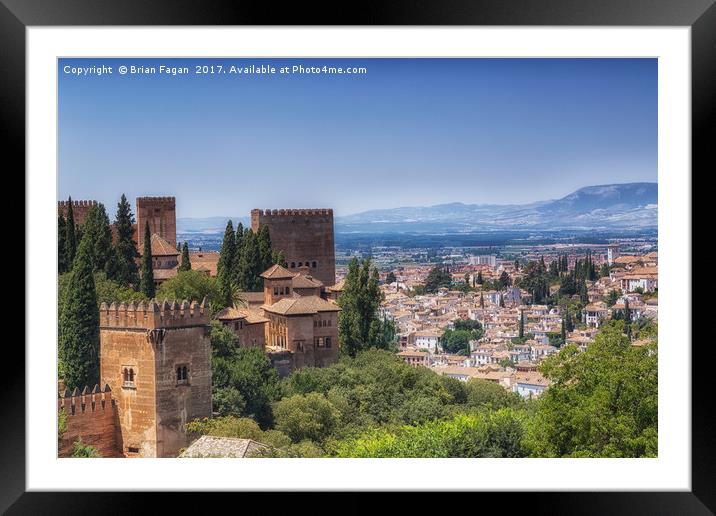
146	284
613	297
505	280
487	434
306	417
96	229
249	268
438	277
190	285
185	262
106	290
603	402
224	268
246	370
480	279
390	278
360	326
521	328
122	266
70	235
62	264
266	255
79	324
456	341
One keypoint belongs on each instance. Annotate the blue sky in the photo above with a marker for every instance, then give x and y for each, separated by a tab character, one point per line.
408	132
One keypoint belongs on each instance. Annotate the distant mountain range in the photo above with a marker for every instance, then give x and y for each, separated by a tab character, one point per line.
616	206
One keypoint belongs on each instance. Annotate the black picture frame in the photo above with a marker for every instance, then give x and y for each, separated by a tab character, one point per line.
700	15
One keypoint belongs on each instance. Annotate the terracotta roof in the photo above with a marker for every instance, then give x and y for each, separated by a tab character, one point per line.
252	298
161	247
204	261
304	281
338	287
303	305
277	272
210	446
232	313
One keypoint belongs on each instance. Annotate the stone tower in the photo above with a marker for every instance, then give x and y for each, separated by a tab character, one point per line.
304	236
157	361
80	209
161	214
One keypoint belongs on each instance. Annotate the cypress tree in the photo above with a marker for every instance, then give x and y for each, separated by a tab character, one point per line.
97	230
185	263
482	301
502	300
480	280
522	324
564	331
122	266
79	324
627	318
70	235
264	243
62	266
358	322
225	267
146	283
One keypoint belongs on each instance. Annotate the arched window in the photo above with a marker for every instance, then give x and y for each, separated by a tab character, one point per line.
314	264
131	375
300	264
293	265
182	374
125	375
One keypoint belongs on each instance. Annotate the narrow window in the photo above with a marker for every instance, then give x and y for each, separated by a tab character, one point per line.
313	264
328	342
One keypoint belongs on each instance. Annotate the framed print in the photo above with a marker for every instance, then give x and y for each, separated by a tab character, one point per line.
411	249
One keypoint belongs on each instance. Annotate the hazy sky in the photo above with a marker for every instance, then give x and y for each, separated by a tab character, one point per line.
409	132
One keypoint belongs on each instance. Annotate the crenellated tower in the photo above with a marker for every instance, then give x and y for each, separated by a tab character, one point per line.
156	358
305	237
80	209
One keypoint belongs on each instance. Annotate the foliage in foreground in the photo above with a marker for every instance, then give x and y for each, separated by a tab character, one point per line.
603	402
483	434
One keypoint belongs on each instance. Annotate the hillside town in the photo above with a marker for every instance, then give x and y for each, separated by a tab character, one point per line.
516	333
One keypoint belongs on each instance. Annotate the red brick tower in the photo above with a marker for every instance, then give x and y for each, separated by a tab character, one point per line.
304	236
161	214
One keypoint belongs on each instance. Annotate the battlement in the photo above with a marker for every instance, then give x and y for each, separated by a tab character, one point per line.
154	314
80	209
292	213
87	401
76	204
156	200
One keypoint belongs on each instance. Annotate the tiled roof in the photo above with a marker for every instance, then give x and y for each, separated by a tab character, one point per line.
232	313
252	298
204	261
303	305
277	272
210	446
338	287
161	247
303	281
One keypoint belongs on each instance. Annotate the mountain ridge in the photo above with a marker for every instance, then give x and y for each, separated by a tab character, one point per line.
609	206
